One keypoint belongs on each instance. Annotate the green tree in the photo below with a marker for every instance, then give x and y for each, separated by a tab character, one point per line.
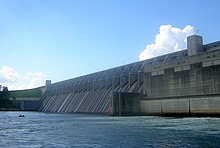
5	93
5	98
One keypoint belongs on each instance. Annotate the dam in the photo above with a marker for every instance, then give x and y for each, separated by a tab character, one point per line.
186	83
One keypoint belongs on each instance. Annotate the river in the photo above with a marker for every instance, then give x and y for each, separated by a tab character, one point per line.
52	130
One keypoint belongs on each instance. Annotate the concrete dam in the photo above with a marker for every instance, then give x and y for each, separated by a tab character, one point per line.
186	82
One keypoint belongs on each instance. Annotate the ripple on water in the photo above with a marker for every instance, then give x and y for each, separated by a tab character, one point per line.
75	130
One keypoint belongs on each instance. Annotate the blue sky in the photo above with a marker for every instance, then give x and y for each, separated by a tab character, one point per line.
63	39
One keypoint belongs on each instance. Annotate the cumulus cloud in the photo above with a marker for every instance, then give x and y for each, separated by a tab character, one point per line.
169	39
8	74
10	78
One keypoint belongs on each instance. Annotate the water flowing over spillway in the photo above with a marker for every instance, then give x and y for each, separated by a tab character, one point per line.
92	93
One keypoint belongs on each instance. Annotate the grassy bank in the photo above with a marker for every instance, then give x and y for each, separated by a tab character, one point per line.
28	93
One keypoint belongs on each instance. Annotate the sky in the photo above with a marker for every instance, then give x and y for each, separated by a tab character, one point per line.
62	39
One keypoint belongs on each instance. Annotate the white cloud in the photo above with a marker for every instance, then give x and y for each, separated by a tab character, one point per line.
36	79
8	74
169	39
10	78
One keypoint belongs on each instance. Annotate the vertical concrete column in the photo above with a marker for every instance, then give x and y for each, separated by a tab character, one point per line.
123	80
132	79
101	84
48	82
59	90
80	87
147	83
43	89
194	45
108	83
196	84
110	110
95	85
21	104
90	86
140	77
75	88
65	89
85	85
116	82
119	104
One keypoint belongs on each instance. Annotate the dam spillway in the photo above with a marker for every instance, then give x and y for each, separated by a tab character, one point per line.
93	93
185	82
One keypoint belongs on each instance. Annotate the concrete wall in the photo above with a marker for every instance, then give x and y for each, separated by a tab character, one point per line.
125	104
188	85
192	106
195	75
28	105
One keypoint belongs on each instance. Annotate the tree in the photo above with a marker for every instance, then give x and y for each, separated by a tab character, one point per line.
5	93
5	98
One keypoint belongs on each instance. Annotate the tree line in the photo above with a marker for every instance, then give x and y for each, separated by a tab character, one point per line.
6	100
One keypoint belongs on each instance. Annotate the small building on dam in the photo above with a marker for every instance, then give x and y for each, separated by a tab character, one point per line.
185	83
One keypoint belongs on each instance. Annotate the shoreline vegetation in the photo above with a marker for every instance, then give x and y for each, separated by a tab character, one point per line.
7	101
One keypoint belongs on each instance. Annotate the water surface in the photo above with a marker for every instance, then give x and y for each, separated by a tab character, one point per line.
78	130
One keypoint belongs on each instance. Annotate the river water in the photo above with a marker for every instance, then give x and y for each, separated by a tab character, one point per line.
79	130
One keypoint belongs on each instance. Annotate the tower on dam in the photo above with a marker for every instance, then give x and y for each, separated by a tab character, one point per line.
186	82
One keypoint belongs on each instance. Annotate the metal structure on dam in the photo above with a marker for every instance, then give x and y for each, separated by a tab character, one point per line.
186	82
